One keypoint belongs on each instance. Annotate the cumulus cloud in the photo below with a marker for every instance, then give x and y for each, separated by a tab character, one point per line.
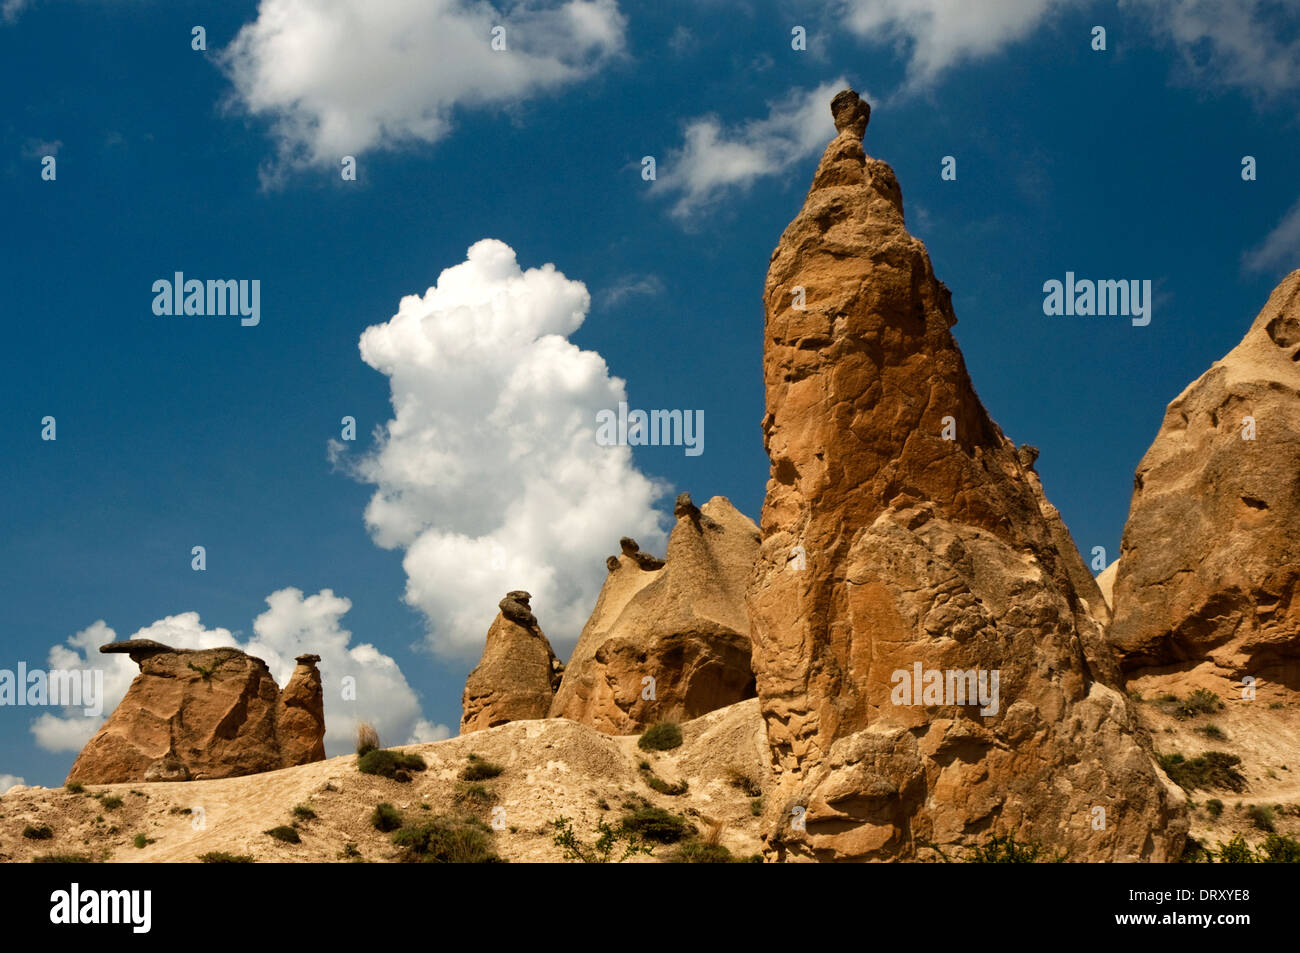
939	34
292	625
1249	44
714	160
1280	249
9	780
339	77
489	476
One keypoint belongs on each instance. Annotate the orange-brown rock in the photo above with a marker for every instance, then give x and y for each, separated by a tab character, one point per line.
518	674
906	543
210	713
1209	568
668	639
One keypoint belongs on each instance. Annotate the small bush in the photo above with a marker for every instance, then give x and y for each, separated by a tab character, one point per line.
1214	769
111	802
221	857
367	739
285	833
1199	702
141	841
1214	806
1236	851
657	783
661	737
385	818
349	852
388	763
1214	732
1278	849
304	812
743	780
63	859
700	852
480	770
475	794
448	840
657	825
603	849
74	787
43	832
1261	815
756	807
1005	850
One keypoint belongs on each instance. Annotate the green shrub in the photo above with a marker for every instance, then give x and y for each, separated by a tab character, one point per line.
603	849
349	852
390	764
1214	769
1005	850
448	840
111	802
1262	816
63	859
1200	702
1278	849
1236	851
696	851
475	794
304	812
756	807
1214	806
385	818
657	783
657	825
221	857
285	833
74	787
480	770
1213	731
43	832
743	780
141	841
661	737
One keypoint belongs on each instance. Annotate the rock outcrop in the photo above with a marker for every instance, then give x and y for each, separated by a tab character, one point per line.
518	674
668	639
929	670
1209	568
209	713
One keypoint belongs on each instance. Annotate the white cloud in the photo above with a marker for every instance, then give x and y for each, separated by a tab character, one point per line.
939	34
1242	44
713	161
339	77
1280	249
10	9
489	476
9	780
631	286
292	625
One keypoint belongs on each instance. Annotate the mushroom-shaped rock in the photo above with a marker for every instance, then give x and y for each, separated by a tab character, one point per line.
517	676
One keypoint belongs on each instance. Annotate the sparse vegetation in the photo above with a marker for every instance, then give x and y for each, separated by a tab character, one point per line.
657	825
141	841
304	812
1214	732
74	787
111	802
285	833
1214	806
349	852
367	738
63	859
607	841
479	770
478	794
179	810
739	778
221	857
1199	702
385	818
390	764
756	807
663	736
448	840
696	851
1261	815
658	784
42	832
1214	769
1005	850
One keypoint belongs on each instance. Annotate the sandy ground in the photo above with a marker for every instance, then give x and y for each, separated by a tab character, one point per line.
552	767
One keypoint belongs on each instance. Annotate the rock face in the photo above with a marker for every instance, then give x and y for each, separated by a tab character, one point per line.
210	713
907	544
668	639
518	674
1209	568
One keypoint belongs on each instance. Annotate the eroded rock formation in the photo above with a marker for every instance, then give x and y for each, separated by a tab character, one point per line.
668	639
907	542
1209	568
517	676
209	713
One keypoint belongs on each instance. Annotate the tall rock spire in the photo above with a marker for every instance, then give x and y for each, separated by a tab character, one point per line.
907	547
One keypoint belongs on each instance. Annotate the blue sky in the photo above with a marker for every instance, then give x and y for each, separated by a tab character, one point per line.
177	431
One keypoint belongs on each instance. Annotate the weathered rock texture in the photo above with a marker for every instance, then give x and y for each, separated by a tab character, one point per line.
1209	569
210	713
680	621
888	547
518	674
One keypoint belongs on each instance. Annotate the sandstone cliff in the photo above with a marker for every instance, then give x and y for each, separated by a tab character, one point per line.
1209	569
210	713
668	639
905	537
518	674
